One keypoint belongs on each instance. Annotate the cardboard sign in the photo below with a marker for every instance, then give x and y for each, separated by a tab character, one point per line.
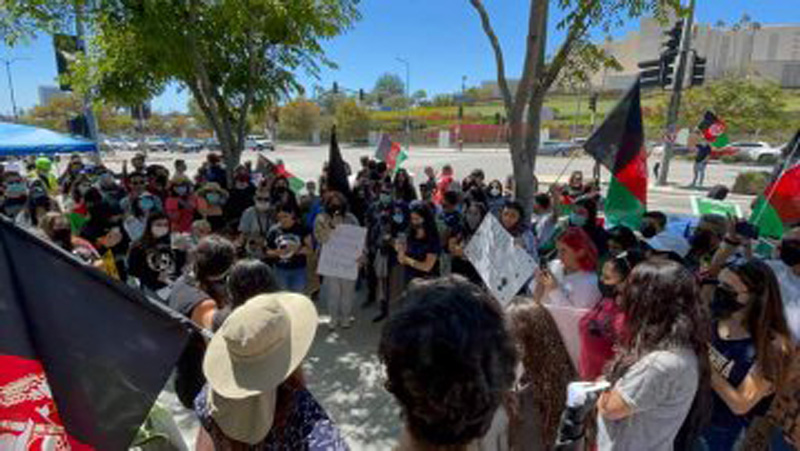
339	257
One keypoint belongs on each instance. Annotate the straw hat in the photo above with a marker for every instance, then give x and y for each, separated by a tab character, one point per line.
257	347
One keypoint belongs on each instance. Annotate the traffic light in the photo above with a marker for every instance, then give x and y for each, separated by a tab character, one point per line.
667	67
593	103
698	70
335	87
650	75
674	35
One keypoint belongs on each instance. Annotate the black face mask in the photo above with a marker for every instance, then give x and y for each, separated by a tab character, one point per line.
725	303
790	252
701	240
648	231
608	291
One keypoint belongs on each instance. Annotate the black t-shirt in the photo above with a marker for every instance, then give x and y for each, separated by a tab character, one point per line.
418	250
148	263
186	295
703	152
239	201
278	237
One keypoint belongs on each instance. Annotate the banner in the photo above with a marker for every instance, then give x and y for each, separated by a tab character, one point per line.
339	257
503	266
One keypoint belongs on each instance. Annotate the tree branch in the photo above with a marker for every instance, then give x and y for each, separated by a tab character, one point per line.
537	27
502	83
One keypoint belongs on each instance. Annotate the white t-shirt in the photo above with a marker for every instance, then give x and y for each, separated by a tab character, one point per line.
577	289
790	294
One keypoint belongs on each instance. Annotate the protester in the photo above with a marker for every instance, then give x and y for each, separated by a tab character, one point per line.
750	348
571	279
584	215
787	269
181	204
256	396
390	274
16	195
653	223
419	250
621	239
427	189
473	217
544	220
137	187
705	241
450	362
443	183
211	199
700	162
404	187
448	221
151	258
288	245
511	218
660	377
494	198
575	187
180	168
56	227
666	245
44	174
602	328
111	191
74	169
38	204
214	171
135	222
246	279
241	196
280	193
337	292
104	230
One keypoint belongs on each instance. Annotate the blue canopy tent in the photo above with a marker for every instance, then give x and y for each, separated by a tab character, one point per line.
20	140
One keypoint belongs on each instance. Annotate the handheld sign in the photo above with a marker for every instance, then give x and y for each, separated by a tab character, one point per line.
703	205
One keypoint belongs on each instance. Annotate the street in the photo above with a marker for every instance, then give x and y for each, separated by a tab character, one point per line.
342	369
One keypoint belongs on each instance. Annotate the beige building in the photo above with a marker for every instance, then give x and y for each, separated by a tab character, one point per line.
771	51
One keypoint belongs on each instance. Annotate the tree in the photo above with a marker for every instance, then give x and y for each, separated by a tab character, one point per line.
389	85
299	119
352	121
232	55
419	96
60	109
538	74
396	103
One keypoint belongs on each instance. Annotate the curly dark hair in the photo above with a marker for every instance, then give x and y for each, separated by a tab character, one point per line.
662	307
450	360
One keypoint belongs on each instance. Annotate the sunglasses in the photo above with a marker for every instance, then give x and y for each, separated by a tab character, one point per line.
262	199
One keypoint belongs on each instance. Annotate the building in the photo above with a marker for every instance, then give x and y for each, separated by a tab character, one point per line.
770	51
48	93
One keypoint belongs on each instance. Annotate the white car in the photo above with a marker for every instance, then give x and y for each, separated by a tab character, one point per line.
156	144
258	142
757	150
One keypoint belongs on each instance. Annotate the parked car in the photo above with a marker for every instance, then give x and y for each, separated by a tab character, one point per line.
157	144
189	145
258	143
555	148
756	150
677	149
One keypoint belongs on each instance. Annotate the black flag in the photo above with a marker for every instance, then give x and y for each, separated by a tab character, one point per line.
337	169
82	357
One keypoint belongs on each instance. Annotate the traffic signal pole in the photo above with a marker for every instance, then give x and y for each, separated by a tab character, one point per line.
675	101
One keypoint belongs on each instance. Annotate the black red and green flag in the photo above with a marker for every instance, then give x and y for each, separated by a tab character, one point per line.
82	357
619	146
390	152
296	184
714	129
779	205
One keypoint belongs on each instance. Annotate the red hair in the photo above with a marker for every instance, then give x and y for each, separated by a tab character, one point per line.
578	240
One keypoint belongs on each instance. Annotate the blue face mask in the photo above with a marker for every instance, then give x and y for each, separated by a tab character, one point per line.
146	204
16	188
577	220
181	190
398	218
213	198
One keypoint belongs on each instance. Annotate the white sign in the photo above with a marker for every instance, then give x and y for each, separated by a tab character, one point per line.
503	266
339	257
682	137
567	320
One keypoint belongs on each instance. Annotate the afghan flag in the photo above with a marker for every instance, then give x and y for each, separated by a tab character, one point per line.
296	184
619	146
779	206
714	130
82	356
390	152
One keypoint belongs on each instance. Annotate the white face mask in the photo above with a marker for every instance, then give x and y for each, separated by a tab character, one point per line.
262	206
160	232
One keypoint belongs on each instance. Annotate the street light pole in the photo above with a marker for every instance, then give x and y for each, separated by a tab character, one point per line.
408	102
461	114
8	63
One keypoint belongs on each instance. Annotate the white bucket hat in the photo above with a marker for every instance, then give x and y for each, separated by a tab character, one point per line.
257	347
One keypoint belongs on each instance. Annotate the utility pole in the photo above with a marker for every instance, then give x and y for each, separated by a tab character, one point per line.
8	63
461	114
87	98
408	102
677	87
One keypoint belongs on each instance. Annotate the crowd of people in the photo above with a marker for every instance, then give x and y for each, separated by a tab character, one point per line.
696	334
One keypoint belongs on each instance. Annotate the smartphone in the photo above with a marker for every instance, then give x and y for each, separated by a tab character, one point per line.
747	230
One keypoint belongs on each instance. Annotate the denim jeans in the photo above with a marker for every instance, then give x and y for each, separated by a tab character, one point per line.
293	280
720	439
699	173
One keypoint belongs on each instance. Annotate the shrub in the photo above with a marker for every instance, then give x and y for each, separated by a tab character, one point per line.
751	182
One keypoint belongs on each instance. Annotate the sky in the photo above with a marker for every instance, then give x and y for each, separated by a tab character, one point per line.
441	39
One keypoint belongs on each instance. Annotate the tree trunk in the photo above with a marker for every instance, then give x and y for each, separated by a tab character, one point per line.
522	165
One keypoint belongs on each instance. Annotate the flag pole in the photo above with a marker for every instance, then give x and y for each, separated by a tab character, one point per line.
774	186
566	166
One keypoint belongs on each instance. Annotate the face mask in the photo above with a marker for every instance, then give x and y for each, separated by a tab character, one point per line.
146	204
107	180
608	291
160	232
790	252
648	231
262	206
213	198
725	303
398	218
16	188
494	192
701	240
577	220
473	220
385	198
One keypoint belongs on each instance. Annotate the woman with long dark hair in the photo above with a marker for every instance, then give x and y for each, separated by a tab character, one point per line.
473	217
404	187
661	376
420	251
151	259
750	349
511	217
